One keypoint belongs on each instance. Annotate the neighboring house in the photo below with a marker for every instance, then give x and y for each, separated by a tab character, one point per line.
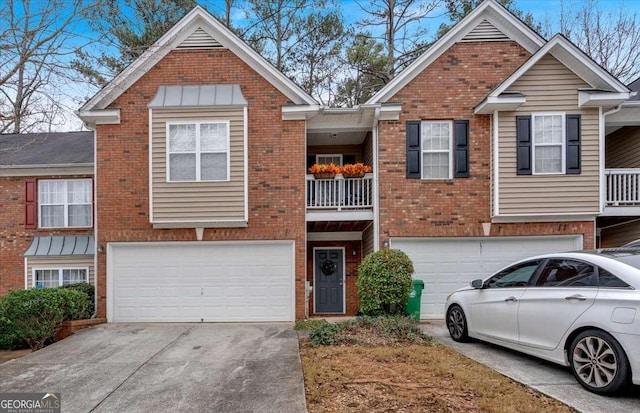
620	221
46	210
490	147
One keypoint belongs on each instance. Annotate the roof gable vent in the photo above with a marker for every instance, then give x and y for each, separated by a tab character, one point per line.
199	39
485	32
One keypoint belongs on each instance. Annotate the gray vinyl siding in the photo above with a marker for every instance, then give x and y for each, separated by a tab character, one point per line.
183	202
549	87
622	148
63	261
619	235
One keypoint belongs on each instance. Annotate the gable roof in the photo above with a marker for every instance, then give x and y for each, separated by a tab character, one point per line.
488	14
46	149
194	22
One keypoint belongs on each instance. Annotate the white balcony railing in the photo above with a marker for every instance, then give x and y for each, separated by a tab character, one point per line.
623	187
340	193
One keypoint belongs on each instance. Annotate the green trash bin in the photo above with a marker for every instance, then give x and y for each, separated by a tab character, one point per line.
413	305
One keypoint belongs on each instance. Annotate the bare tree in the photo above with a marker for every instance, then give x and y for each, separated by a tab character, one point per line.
126	28
611	38
36	42
402	31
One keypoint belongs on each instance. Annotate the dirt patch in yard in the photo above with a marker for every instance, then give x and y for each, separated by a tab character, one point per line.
410	379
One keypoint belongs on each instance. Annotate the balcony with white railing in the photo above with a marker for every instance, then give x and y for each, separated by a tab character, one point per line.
622	192
339	198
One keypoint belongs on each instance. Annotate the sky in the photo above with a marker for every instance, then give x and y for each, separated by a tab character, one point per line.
544	11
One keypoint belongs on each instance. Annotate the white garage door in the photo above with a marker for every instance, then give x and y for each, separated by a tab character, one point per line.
200	281
446	264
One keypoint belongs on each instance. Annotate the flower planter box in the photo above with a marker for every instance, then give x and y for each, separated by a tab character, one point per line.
327	175
70	327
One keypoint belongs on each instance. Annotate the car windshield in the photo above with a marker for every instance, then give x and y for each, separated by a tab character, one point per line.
629	257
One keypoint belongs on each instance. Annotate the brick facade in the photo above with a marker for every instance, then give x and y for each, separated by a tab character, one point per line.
449	89
14	237
276	162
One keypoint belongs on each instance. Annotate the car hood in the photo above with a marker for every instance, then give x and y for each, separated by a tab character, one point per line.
468	287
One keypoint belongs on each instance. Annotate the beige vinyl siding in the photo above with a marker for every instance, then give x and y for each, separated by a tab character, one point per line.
198	201
485	32
354	150
549	87
64	261
622	148
199	38
619	235
367	241
367	150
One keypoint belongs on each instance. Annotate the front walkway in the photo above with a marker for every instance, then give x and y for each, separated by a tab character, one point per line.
548	378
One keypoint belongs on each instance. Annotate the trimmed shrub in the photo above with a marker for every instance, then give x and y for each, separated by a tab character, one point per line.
9	340
384	282
91	294
389	330
325	334
36	315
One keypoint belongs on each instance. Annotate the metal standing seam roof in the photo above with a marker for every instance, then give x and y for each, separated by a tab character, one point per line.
198	96
61	245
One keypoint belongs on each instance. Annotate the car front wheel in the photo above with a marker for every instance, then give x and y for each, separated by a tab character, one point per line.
457	324
599	362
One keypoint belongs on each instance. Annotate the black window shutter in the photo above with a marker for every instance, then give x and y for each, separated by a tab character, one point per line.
461	139
523	136
413	150
573	144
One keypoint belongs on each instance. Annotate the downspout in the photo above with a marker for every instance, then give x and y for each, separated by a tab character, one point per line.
376	175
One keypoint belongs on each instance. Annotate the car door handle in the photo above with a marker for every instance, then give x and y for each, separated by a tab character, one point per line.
511	299
576	297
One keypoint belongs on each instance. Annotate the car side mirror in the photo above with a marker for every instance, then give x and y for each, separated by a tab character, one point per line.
477	284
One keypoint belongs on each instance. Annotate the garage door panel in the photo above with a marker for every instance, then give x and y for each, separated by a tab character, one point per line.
446	264
204	281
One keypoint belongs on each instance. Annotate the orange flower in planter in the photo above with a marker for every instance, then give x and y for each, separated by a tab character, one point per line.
356	170
325	171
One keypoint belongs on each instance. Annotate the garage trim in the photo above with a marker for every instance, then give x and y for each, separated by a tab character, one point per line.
114	245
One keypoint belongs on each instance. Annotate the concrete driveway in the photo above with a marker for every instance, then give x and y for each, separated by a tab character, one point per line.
548	378
167	367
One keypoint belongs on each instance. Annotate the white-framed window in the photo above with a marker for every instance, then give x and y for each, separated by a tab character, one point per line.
436	140
548	141
326	159
64	203
198	151
56	277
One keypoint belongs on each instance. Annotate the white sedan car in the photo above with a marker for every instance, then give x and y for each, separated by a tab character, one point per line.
577	309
